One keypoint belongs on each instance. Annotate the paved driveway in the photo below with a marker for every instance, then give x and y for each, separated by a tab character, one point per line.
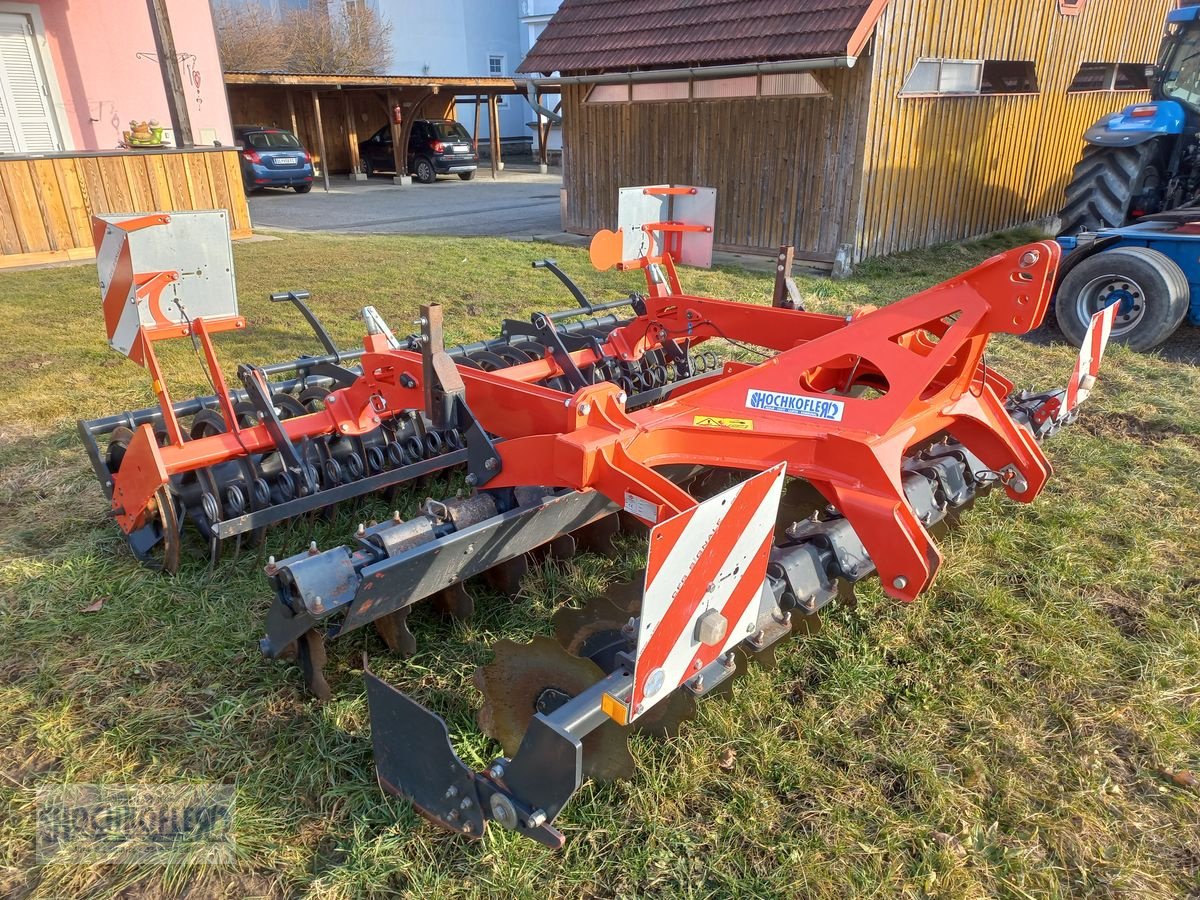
517	204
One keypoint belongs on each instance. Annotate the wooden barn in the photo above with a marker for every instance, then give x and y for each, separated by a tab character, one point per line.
843	127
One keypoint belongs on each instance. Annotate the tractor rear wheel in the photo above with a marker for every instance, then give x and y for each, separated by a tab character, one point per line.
1150	287
1107	185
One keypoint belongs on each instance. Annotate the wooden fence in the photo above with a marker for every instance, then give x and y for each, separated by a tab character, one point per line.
46	202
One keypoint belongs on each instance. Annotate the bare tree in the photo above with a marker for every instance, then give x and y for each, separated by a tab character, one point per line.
248	40
325	39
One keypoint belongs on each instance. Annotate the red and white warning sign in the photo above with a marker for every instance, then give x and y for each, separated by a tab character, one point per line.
1087	366
705	581
162	271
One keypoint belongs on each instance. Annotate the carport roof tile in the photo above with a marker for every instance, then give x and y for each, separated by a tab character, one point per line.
619	35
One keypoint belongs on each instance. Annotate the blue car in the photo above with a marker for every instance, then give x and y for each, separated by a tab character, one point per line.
272	157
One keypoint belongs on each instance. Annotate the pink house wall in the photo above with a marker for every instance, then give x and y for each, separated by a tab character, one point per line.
95	45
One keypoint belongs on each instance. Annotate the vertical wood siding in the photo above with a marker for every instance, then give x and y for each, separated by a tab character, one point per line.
46	205
945	168
785	169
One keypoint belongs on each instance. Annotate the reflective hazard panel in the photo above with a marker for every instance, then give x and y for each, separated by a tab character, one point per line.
1087	366
705	572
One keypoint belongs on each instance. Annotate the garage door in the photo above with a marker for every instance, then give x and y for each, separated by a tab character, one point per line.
27	123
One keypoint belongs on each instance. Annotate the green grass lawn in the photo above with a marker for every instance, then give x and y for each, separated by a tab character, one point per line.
1023	730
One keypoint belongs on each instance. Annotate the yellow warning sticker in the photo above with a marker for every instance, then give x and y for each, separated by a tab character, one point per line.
718	422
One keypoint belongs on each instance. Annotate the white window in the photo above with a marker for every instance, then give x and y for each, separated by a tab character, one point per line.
944	76
970	77
496	64
27	120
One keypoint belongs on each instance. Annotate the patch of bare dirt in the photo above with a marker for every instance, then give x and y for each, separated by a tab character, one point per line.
1127	426
1127	614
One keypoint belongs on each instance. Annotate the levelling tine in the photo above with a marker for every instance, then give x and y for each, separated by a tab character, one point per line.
310	654
393	628
631	524
455	601
506	577
561	547
599	537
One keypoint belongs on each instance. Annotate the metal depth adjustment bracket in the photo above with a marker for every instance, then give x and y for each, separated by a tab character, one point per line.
445	398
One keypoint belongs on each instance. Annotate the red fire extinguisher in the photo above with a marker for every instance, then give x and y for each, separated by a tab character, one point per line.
397	115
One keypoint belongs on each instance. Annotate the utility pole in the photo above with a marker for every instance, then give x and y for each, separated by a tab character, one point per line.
168	62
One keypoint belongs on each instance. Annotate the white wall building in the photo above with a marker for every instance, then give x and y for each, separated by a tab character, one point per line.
535	14
456	38
462	37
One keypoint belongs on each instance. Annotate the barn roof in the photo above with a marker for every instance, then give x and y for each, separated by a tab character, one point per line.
619	35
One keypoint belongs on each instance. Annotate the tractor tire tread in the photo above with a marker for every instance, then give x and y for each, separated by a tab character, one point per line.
1101	187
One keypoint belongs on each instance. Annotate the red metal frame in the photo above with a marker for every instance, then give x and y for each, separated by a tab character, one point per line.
923	356
924	353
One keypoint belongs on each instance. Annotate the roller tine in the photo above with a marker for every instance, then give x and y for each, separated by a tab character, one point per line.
741	658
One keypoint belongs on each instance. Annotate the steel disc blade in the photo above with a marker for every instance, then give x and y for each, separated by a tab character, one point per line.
664	719
593	631
627	595
540	676
597	631
158	544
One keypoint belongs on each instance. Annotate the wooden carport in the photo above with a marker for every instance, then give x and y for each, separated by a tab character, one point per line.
332	113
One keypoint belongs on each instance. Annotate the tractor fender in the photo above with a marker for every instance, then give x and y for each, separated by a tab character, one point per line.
1137	124
1077	248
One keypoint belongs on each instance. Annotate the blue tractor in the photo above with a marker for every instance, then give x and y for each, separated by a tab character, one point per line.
1146	158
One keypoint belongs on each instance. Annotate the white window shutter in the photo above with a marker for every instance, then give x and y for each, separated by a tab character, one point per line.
27	122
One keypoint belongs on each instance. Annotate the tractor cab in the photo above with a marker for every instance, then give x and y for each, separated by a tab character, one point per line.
1145	158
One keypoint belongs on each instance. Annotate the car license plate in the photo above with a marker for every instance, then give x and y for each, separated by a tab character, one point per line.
285	160
460	148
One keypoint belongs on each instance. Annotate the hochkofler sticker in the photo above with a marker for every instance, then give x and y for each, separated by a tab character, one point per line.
796	405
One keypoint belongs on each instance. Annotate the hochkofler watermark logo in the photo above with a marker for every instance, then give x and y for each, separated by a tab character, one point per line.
148	824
